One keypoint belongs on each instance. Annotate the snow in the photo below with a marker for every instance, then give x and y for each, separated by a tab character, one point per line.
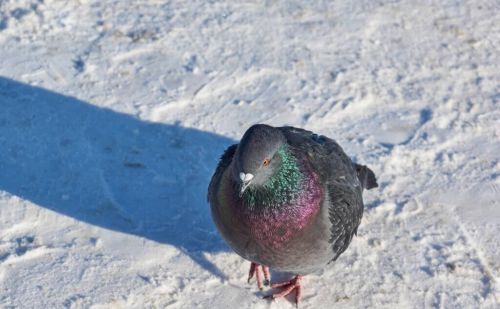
113	115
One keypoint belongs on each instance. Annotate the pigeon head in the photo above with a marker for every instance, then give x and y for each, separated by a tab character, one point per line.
257	156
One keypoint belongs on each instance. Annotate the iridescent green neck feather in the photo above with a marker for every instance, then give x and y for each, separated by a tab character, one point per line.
279	188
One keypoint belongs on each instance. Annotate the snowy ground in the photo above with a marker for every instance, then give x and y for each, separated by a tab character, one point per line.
113	115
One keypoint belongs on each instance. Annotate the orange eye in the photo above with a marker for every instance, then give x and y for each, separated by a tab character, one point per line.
266	162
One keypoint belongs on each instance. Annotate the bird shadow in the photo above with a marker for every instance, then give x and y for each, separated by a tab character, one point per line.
110	169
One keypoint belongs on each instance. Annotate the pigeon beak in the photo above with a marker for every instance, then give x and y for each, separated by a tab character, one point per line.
246	179
244	187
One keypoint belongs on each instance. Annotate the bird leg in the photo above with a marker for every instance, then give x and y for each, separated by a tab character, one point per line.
267	276
287	288
257	270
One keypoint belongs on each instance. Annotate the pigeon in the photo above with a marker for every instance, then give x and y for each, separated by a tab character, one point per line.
287	199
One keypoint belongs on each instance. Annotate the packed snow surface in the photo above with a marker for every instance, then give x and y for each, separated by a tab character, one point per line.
113	115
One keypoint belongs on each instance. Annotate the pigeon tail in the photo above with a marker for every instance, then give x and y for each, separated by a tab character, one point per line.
366	177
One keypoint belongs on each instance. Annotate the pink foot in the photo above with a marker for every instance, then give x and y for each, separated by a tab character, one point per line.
257	270
287	288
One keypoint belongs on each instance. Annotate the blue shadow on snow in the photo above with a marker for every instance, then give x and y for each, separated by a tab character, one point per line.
110	169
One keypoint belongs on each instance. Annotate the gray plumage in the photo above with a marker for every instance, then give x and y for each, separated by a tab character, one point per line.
307	227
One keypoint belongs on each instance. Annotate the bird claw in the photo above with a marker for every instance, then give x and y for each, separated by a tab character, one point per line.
287	288
257	270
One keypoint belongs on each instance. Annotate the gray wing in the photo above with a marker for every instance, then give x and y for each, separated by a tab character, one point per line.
224	162
345	212
338	173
